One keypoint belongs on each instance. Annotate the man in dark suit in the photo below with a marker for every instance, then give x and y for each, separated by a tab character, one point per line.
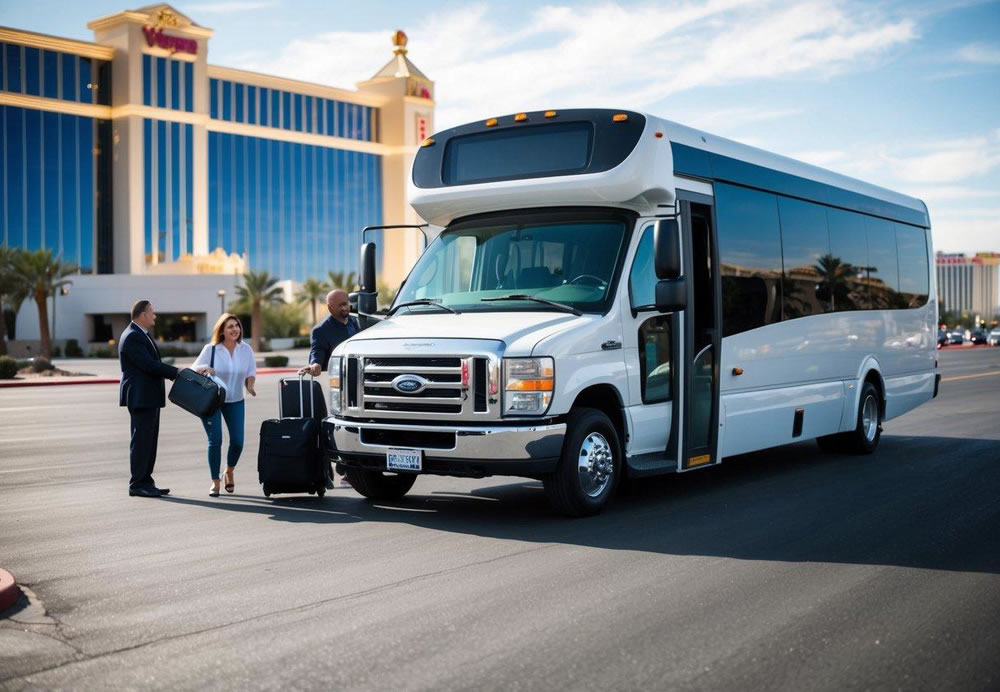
325	337
143	392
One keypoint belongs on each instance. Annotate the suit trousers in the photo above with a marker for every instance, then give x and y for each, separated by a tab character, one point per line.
142	450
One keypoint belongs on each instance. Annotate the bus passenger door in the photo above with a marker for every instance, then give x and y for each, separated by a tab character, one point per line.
702	335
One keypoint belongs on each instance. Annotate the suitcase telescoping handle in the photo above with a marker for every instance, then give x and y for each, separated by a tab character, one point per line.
312	399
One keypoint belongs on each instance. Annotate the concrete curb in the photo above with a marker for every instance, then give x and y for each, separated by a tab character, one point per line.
9	593
108	380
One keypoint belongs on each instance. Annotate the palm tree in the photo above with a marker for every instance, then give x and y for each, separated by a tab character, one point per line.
344	280
40	275
259	288
10	289
311	292
835	274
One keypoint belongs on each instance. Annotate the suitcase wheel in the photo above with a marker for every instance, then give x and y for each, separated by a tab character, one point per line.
267	491
321	491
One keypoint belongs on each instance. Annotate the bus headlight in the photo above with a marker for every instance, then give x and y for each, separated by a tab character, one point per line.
333	369
528	384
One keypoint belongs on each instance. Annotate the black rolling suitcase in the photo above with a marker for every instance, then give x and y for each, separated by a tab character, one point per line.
289	459
291	398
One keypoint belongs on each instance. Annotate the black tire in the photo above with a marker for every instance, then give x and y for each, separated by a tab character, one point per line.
864	438
376	485
267	491
580	492
868	429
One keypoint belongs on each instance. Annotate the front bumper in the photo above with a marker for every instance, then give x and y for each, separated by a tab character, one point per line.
473	450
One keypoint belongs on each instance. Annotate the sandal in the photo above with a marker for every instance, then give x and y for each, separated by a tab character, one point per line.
230	487
213	491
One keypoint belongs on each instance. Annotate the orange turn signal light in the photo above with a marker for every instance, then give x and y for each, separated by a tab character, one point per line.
529	386
550	114
520	117
429	142
492	122
619	117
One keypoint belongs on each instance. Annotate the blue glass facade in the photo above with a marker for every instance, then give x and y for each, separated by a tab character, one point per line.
168	186
167	83
254	105
48	193
296	209
52	74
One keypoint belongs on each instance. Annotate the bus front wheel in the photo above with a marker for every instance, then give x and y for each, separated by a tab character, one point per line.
589	467
867	430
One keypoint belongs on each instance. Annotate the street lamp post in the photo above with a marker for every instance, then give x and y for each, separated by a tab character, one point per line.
62	290
222	300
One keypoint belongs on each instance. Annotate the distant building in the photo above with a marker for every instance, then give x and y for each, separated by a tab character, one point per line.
969	284
165	177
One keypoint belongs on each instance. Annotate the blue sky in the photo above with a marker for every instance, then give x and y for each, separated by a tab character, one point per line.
902	94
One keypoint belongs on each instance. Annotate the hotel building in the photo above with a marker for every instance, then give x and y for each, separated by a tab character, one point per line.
165	177
969	284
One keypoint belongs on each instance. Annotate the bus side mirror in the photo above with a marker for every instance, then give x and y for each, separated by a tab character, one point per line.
671	295
367	298
667	249
352	301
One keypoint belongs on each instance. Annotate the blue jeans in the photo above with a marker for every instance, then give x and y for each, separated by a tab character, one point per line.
234	414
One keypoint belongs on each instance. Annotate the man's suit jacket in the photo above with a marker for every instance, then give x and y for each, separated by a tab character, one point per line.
142	371
326	336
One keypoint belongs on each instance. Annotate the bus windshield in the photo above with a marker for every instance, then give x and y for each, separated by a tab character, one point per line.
571	262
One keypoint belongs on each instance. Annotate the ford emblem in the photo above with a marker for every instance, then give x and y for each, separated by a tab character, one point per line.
409	384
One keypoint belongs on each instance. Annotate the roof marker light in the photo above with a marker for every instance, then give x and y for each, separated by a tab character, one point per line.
550	114
619	117
492	122
520	117
658	135
429	142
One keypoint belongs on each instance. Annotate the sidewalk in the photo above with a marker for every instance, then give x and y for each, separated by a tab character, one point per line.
108	371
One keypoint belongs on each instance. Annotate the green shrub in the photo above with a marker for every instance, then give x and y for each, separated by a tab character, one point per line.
302	342
22	364
73	349
40	364
103	352
56	352
276	361
173	351
8	368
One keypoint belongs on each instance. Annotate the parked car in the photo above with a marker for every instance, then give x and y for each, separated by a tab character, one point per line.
994	338
956	336
978	336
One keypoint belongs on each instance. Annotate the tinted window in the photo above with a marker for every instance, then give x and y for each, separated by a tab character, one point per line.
843	270
911	247
642	278
655	358
518	153
750	258
12	68
805	240
882	274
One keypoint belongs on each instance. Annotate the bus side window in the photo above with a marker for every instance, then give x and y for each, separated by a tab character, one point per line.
655	348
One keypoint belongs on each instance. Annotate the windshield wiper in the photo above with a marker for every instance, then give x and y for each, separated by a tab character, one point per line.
524	296
422	301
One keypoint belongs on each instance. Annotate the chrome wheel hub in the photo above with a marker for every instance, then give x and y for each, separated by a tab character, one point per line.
595	464
869	418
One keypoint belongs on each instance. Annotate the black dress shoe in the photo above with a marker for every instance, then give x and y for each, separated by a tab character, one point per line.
162	491
143	492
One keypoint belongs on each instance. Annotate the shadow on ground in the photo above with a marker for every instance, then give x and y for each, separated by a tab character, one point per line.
922	502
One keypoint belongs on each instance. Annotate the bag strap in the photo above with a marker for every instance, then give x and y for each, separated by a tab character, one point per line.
212	365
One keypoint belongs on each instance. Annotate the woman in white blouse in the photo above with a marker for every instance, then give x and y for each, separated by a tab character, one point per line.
234	367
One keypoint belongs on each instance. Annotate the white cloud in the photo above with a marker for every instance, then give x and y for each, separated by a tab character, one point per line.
980	53
563	56
950	161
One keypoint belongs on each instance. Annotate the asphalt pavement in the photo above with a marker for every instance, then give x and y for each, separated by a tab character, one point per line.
787	569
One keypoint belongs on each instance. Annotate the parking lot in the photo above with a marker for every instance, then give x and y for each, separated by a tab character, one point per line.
784	569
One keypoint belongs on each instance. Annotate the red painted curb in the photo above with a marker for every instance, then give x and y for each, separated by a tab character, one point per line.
106	380
9	593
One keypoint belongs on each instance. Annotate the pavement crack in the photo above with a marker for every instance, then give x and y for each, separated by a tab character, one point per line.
82	658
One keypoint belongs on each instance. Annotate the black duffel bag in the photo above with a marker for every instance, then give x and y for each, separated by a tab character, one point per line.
196	393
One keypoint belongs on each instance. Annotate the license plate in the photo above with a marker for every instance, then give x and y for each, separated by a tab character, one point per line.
404	459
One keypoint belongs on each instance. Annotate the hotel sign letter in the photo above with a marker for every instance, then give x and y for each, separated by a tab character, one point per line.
156	37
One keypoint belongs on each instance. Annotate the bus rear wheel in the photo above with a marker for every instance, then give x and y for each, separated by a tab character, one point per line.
589	467
867	430
376	485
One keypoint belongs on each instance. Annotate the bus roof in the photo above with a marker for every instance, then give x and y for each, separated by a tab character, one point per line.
700	154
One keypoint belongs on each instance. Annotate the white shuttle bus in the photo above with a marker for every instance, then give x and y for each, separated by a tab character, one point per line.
607	294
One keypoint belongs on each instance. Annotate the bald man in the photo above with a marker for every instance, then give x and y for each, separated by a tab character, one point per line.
328	334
